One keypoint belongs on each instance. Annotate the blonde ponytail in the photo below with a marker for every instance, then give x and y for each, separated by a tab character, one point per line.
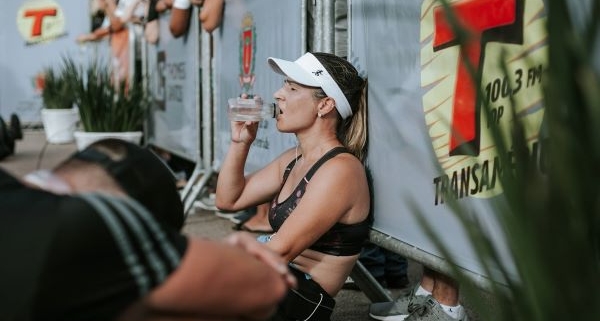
355	132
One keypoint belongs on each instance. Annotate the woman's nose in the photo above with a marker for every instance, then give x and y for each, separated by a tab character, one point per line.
277	95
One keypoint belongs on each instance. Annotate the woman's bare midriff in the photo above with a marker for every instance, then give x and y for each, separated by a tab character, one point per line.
328	270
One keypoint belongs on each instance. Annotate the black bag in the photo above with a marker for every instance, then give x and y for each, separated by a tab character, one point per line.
308	302
8	135
5	149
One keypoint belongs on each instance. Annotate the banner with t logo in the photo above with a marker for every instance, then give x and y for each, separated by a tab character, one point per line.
429	134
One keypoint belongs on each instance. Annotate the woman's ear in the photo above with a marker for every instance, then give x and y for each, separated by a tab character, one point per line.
326	105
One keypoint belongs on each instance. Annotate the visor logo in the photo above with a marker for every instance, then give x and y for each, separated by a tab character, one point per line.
318	72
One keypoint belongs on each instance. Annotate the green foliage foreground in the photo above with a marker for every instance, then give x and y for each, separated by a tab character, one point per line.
552	221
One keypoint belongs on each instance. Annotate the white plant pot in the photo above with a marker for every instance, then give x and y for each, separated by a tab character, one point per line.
83	139
60	124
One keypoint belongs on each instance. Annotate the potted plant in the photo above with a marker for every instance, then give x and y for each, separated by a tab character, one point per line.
59	116
108	107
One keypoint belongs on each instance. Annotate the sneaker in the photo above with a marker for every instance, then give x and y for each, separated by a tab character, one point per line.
206	203
396	310
242	217
227	215
431	310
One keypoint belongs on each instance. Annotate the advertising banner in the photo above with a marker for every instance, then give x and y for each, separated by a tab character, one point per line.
252	31
174	82
429	138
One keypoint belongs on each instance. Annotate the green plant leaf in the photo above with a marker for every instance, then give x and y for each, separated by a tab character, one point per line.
106	106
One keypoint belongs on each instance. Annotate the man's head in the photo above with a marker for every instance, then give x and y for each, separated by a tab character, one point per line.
131	170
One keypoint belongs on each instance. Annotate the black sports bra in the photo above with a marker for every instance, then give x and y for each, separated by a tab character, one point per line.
341	239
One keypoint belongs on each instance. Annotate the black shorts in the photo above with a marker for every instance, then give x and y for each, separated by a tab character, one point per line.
308	302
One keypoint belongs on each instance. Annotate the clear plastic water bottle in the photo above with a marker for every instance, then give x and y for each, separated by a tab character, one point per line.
250	109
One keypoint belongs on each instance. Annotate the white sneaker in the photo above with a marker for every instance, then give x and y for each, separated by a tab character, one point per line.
227	215
431	310
206	203
396	310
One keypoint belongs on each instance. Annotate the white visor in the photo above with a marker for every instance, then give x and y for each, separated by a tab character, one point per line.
308	71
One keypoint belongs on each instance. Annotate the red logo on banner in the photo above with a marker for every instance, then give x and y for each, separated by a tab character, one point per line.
485	21
247	53
479	54
38	16
40	21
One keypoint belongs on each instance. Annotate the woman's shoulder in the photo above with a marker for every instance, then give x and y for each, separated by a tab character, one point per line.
342	166
343	157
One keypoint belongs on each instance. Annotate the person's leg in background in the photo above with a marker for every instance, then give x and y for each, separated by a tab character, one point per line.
436	297
373	259
445	292
259	222
387	267
395	270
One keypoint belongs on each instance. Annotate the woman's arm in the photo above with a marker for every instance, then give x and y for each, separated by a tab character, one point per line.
179	23
180	17
235	191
